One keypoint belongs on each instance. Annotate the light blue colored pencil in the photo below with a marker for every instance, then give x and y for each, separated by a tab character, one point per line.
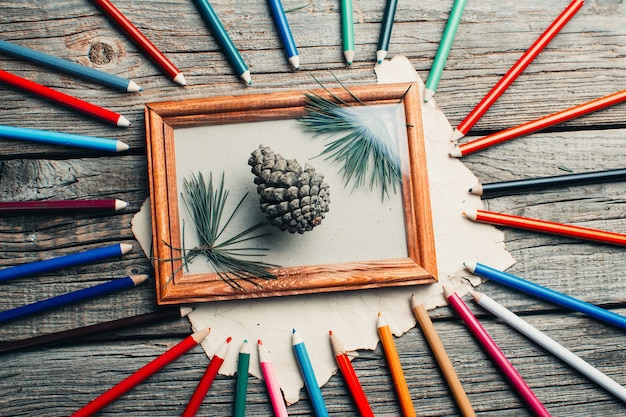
64	139
547	294
68	67
72	297
74	259
308	375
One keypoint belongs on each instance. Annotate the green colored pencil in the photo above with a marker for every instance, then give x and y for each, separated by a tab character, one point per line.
444	49
242	380
347	30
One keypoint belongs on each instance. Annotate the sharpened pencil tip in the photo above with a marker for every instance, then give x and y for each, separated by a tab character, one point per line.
185	311
180	79
139	279
201	334
123	122
132	87
125	248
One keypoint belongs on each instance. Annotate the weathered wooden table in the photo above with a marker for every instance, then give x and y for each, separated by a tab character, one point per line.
585	61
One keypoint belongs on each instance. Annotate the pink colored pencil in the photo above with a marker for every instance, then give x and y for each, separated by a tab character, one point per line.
481	108
271	381
495	353
207	379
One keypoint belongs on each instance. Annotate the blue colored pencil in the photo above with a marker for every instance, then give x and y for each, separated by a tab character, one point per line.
385	31
308	375
547	294
284	32
80	258
72	297
64	139
221	37
68	67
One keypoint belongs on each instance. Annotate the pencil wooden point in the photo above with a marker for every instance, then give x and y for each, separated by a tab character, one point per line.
123	122
470	214
428	94
119	205
349	56
201	334
336	345
133	87
455	153
470	266
180	79
476	295
139	279
246	77
477	189
447	292
295	61
125	248
380	56
456	135
185	311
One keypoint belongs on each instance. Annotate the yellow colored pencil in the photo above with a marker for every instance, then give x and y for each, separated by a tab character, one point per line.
442	358
395	368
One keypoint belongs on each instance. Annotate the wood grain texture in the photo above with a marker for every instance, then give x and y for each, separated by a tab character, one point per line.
585	61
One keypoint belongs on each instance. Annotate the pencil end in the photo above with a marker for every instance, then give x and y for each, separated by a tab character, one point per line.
125	248
428	95
470	266
185	311
349	57
132	87
180	79
470	214
455	153
295	61
201	334
123	122
476	295
477	189
119	205
456	135
247	78
447	292
380	56
139	279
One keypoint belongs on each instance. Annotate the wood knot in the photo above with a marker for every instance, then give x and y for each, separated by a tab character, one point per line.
101	53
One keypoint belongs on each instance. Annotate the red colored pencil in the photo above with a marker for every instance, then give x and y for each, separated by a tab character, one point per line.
207	379
544	226
18	207
521	64
144	43
352	381
494	352
63	99
142	374
538	124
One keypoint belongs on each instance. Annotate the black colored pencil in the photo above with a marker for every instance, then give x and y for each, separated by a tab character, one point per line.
495	189
99	328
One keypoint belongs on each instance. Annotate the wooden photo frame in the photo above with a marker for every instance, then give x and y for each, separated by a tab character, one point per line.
202	133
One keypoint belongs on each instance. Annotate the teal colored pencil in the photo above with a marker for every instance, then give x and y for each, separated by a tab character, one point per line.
347	30
224	41
444	49
68	67
243	365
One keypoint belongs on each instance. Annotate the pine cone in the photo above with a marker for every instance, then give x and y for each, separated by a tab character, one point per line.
293	199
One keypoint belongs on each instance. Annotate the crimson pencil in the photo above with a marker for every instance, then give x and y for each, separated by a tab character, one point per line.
494	352
142	374
63	99
538	124
544	226
512	74
16	207
140	39
352	381
207	379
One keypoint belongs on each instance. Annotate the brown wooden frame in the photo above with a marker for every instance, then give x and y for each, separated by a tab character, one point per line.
162	119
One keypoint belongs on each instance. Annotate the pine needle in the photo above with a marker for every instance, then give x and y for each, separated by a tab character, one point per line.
206	205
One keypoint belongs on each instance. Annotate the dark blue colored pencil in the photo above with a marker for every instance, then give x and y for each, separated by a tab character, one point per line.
72	297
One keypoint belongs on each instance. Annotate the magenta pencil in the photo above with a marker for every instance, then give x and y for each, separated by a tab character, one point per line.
495	353
271	381
41	206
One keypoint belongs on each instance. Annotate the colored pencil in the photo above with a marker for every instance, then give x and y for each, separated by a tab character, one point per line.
223	40
140	39
271	382
63	139
439	351
550	345
63	99
66	261
443	51
207	380
533	184
538	124
544	226
547	294
308	375
481	108
42	206
69	67
241	390
142	374
350	377
494	352
395	367
347	30
284	32
72	297
385	31
51	339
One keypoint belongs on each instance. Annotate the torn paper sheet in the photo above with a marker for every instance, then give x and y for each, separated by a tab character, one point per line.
352	315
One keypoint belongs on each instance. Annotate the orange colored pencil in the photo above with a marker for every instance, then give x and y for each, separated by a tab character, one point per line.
142	374
538	124
207	380
442	358
352	381
481	108
395	367
544	226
